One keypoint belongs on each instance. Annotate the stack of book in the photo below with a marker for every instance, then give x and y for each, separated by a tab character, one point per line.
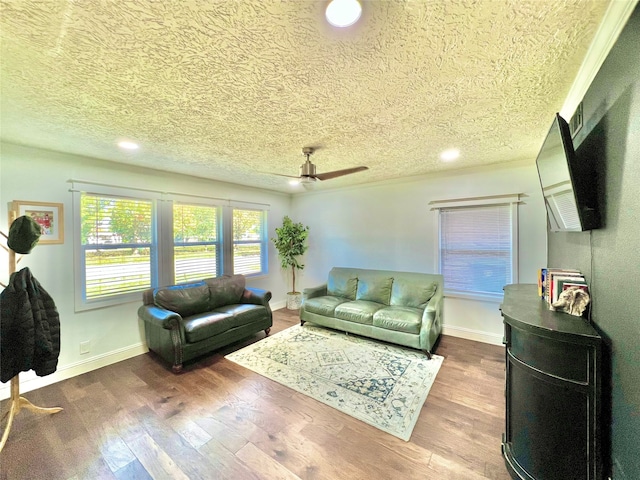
553	281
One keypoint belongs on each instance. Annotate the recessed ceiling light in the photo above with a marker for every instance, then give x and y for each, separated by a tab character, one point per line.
127	145
450	155
343	13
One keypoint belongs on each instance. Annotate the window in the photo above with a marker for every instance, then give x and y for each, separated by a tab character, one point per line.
478	246
116	246
249	242
128	240
196	242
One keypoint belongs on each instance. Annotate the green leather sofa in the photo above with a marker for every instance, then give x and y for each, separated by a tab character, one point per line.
182	322
398	307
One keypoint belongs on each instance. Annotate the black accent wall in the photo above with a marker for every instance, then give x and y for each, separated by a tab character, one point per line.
610	256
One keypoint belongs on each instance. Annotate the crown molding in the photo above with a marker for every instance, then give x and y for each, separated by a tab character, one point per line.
614	20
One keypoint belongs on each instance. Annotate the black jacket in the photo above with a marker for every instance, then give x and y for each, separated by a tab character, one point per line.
29	328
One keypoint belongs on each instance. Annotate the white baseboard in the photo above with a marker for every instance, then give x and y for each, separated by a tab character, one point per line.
278	305
469	334
30	381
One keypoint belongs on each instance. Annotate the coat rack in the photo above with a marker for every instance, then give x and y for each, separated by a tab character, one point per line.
16	402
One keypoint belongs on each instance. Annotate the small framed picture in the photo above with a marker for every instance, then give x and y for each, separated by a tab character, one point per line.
49	216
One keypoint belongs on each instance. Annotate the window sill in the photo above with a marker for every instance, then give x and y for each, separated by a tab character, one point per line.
482	297
255	276
84	306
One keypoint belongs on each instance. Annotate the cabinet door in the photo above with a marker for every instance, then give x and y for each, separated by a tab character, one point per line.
548	424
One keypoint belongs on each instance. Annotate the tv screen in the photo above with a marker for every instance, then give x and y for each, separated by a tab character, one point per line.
569	205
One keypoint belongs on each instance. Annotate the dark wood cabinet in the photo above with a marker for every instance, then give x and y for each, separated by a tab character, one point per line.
553	392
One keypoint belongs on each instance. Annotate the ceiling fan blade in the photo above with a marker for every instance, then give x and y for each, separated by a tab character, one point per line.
339	173
281	175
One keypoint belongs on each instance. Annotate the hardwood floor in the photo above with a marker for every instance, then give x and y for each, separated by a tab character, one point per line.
217	420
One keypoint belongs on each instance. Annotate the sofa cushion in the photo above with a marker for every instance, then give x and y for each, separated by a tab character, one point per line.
359	311
399	319
243	314
374	288
185	300
325	305
412	292
342	284
206	325
225	290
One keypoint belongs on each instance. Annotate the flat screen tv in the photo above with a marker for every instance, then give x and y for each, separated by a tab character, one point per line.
568	182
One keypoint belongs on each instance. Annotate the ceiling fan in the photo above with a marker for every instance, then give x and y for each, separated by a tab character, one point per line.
308	170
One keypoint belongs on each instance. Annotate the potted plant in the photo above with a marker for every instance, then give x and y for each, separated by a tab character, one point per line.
290	243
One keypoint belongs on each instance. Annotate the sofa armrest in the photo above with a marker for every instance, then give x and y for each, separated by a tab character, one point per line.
312	292
164	333
434	311
159	316
435	305
428	317
256	296
431	323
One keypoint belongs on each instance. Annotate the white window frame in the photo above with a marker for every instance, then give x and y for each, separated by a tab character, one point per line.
162	268
81	302
512	200
218	243
264	240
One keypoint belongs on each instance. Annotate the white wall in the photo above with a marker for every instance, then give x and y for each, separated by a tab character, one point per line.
386	226
115	333
390	226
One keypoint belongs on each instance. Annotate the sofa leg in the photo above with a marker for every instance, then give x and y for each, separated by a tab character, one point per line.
266	331
301	323
177	368
427	353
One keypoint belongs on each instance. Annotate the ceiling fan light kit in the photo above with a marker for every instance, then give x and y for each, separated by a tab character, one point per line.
307	169
343	13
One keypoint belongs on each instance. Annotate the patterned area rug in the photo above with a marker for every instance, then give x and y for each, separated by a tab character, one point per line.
381	384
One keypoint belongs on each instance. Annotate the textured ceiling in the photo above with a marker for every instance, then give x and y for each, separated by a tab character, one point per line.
227	89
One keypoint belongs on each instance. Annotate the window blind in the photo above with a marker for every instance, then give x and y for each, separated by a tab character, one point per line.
196	242
116	245
476	248
249	242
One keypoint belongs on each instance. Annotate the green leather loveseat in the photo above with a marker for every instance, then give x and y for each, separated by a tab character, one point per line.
184	321
398	307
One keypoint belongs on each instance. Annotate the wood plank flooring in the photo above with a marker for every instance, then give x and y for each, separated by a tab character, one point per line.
217	420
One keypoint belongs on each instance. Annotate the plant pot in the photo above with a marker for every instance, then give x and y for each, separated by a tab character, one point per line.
294	300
